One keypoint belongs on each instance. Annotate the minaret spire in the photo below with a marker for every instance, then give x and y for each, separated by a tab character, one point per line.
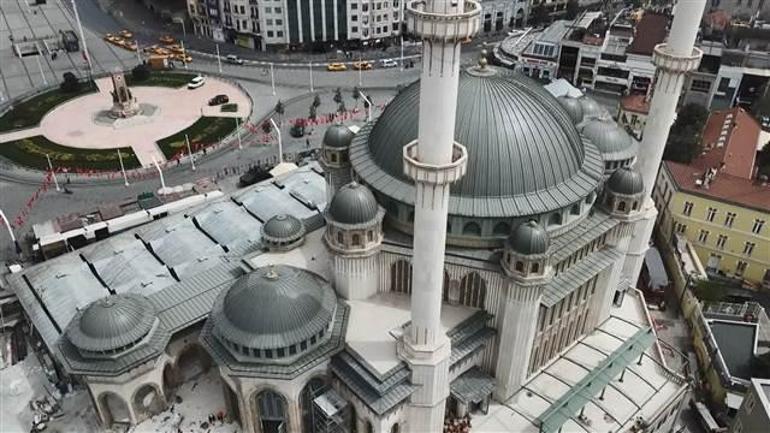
434	161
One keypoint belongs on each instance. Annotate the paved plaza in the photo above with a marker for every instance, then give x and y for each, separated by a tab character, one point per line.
79	122
24	28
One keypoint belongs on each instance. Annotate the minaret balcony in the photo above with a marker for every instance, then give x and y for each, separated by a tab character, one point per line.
450	26
433	173
669	62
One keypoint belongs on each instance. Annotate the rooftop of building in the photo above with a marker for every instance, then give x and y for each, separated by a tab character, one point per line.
589	362
552	35
724	171
636	103
648	32
736	342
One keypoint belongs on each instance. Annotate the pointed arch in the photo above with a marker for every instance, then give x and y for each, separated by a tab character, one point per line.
473	290
472	229
502	229
401	276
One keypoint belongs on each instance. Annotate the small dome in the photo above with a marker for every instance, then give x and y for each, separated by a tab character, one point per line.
573	107
592	109
529	238
353	204
626	181
274	307
283	229
111	323
338	136
613	141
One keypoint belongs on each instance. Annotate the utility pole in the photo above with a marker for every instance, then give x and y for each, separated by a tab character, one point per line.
122	169
42	74
10	232
310	66
82	38
189	152
238	133
368	106
163	189
53	173
219	60
272	78
280	142
184	55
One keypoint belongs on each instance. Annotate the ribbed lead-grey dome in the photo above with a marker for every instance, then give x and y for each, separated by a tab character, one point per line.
524	153
626	181
573	107
529	238
592	109
273	307
353	204
283	226
111	323
613	141
338	136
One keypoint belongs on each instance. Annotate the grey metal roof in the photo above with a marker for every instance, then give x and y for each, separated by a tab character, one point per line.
592	109
380	395
524	154
573	107
274	307
338	136
125	265
473	386
596	224
626	181
613	142
529	238
283	228
578	274
354	204
230	225
111	323
736	343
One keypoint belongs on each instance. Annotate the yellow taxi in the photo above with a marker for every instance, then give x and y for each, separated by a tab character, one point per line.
363	66
166	40
336	67
126	34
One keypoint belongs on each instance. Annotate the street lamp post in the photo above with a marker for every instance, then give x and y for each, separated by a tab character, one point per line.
10	231
280	142
272	78
219	60
184	55
82	37
368	106
310	67
189	151
122	168
360	68
160	173
238	133
53	173
42	74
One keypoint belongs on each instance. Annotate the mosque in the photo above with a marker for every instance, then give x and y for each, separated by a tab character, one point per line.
413	275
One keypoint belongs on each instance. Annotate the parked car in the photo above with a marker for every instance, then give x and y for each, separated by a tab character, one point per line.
388	63
167	40
126	34
196	82
252	176
235	60
336	67
219	100
364	65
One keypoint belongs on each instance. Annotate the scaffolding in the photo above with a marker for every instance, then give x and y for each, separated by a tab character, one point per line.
331	413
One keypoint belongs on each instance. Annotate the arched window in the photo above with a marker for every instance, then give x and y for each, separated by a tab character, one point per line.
520	266
401	277
610	202
356	240
502	229
554	219
473	290
445	288
411	216
340	238
271	411
114	409
575	209
472	229
395	428
370	235
621	206
635	205
334	157
535	267
369	427
314	388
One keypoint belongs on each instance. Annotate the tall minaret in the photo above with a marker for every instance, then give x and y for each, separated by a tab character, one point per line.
434	161
673	60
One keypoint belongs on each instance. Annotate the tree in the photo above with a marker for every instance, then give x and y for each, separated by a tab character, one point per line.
71	84
279	108
267	127
710	290
356	94
140	72
539	15
684	140
341	108
763	160
313	113
316	101
761	106
338	95
572	9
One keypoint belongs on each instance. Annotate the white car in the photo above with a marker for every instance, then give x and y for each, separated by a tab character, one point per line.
235	60
388	63
196	82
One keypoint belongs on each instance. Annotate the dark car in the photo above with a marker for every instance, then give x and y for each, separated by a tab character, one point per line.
253	175
219	100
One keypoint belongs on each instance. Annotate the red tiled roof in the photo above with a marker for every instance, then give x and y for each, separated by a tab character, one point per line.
650	31
636	103
733	158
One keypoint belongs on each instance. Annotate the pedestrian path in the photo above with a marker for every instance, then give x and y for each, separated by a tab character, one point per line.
19	134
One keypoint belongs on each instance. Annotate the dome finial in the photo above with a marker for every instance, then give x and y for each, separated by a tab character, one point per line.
483	62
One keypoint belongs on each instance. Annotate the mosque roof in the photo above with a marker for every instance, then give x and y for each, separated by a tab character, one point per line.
525	155
283	227
529	238
573	107
338	136
111	323
626	181
613	141
353	204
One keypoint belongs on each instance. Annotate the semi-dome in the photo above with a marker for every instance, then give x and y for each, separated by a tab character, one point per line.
613	141
353	204
573	107
529	238
626	181
592	109
111	323
338	136
283	231
525	156
273	307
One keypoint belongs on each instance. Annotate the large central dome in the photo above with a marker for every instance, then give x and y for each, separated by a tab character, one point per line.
525	155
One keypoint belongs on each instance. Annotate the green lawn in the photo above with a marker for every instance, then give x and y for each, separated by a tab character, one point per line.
29	113
31	152
206	131
162	79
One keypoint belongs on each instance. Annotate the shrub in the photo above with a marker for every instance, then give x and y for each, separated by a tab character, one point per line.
71	84
140	72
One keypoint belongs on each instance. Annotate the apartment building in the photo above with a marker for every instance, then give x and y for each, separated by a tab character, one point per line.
717	203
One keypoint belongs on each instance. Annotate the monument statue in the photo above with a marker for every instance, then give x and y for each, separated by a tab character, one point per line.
124	104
